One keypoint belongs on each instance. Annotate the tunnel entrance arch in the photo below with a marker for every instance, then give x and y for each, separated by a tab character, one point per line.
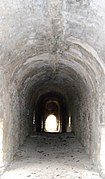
51	103
76	79
51	123
52	116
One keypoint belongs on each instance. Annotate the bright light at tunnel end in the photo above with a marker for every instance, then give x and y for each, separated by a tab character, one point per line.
51	124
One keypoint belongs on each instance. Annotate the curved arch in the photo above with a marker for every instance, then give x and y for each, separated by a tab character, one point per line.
51	123
68	73
40	109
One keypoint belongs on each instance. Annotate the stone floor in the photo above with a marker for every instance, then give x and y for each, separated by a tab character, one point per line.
51	156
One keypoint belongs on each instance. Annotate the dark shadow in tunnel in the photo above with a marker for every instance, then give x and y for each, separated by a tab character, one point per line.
58	107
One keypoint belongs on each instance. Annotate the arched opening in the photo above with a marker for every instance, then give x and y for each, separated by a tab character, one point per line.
51	103
69	85
51	123
52	52
52	116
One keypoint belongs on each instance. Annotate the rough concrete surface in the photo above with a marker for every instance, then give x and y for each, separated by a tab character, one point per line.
52	46
52	156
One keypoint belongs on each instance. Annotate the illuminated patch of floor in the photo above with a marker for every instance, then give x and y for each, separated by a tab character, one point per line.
52	156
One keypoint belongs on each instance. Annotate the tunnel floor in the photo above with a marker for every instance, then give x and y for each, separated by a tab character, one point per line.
52	156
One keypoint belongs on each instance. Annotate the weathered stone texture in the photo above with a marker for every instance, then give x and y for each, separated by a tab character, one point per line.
46	46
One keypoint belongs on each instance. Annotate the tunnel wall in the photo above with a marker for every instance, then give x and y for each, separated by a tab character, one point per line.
24	85
2	116
58	44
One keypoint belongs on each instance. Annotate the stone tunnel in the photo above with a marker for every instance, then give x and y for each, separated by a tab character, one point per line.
52	51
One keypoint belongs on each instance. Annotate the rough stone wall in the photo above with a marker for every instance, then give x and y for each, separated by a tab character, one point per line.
1	120
45	46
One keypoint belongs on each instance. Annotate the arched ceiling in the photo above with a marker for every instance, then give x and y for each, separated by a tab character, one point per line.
45	46
28	28
48	44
